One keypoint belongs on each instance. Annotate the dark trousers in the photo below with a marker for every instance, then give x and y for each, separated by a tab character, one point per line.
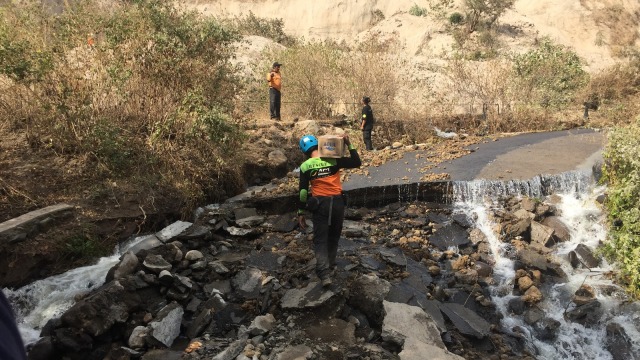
274	103
366	136
327	227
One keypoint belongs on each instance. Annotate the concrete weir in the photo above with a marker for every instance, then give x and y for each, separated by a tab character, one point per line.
439	192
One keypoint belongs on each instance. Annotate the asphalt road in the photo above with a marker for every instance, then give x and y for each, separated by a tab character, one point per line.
517	157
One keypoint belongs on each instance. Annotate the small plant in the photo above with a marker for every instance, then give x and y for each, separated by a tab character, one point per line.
82	246
377	16
269	28
418	11
456	18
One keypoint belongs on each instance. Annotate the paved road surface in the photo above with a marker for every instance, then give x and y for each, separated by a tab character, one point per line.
517	157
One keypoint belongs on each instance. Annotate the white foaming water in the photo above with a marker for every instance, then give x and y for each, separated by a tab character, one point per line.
584	218
45	299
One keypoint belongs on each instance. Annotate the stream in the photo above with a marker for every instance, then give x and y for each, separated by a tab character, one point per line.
45	299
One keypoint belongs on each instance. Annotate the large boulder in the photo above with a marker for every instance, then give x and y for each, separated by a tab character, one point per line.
367	295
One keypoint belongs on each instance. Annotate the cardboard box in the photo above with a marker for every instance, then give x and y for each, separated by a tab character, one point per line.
331	146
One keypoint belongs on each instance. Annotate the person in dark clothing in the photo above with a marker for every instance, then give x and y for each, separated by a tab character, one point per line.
367	122
326	203
275	87
11	345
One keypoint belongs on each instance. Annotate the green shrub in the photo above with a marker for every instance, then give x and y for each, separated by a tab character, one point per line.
550	74
418	11
456	18
622	174
269	28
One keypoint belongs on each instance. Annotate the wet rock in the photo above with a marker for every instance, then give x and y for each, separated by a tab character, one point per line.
236	231
528	204
541	235
451	234
218	267
477	236
156	263
367	295
128	265
172	230
42	350
248	283
410	328
560	230
524	283
582	256
584	295
518	228
546	329
532	259
264	260
588	314
618	343
517	306
145	242
532	295
466	276
313	295
73	339
483	269
533	315
98	312
232	351
159	354
465	320
166	326
522	214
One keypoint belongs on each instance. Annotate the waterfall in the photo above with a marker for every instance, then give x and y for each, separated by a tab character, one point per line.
580	212
49	298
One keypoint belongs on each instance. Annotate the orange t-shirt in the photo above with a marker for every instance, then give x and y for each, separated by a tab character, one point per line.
275	81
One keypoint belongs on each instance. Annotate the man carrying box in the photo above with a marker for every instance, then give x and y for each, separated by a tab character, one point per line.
326	202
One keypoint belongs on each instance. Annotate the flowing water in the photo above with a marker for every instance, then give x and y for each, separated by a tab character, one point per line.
584	218
49	298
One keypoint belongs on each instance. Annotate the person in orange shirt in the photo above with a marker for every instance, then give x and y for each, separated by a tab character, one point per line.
275	87
325	201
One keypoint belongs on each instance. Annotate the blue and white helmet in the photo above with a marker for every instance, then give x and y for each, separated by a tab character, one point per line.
307	142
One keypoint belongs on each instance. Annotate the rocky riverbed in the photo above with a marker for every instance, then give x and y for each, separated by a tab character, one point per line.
414	281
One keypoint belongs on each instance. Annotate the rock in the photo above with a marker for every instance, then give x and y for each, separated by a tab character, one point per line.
522	214
618	343
524	283
396	145
560	230
241	213
193	255
73	339
541	235
277	158
532	295
156	263
546	329
248	283
166	326
394	256
532	259
367	295
304	127
309	297
451	234
584	294
145	242
518	228
165	277
415	331
285	223
236	231
138	336
533	315
298	352
261	325
232	351
528	204
588	314
160	354
199	323
42	350
333	331
98	312
465	320
466	276
172	230
127	266
517	305
218	267
582	256
250	221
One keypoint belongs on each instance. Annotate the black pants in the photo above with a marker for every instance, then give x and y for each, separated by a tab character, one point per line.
328	217
274	103
366	136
